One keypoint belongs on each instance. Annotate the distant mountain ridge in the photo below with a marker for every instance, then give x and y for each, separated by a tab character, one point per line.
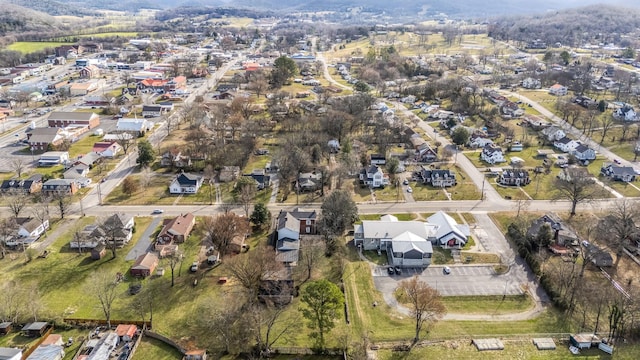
405	8
18	19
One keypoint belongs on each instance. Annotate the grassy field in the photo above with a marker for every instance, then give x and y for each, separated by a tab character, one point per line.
27	47
152	349
514	350
494	305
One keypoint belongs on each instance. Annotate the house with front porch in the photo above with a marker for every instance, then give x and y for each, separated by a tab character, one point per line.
566	144
438	177
186	184
514	177
373	177
584	153
618	173
553	133
492	154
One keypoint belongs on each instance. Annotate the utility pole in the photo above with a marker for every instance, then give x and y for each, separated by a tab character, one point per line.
482	195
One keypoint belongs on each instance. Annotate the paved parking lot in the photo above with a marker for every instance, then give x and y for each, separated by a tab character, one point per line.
463	280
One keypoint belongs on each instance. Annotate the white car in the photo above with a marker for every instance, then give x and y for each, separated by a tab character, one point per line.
446	270
409	189
157	211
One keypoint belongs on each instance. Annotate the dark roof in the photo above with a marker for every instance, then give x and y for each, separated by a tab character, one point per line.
515	174
564	140
188	179
582	148
20	184
302	213
151	108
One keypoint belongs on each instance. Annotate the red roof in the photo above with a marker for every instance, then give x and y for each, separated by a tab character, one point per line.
126	329
101	146
154	82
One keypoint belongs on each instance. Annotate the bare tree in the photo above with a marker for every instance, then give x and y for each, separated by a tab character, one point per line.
223	228
112	230
619	227
251	269
18	165
40	210
606	124
104	286
16	201
63	202
577	187
8	228
228	324
126	140
146	175
311	252
173	260
245	191
426	305
272	323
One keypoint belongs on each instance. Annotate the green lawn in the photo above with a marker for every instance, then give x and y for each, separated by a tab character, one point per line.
494	305
514	349
27	47
152	349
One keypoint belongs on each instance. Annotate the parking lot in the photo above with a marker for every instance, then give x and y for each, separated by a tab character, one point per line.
464	280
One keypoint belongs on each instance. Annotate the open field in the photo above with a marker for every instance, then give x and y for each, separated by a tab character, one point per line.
27	47
152	349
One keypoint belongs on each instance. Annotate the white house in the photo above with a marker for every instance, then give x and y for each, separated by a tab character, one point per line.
492	154
531	83
136	126
52	158
625	113
373	177
186	184
448	232
479	141
584	153
108	149
558	90
553	133
566	144
31	227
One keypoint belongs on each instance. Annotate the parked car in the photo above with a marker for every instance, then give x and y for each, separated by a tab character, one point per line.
390	270
194	267
446	270
157	211
409	189
405	182
398	270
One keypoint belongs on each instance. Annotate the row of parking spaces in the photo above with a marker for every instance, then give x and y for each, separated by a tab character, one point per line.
438	271
470	288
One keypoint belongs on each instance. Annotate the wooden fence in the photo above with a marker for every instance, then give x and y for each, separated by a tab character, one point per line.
102	322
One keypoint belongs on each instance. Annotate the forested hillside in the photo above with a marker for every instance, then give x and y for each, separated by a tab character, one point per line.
18	19
573	27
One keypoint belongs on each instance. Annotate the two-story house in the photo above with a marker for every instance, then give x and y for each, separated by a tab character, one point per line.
426	154
291	226
584	153
60	186
514	177
438	177
618	173
566	144
108	149
186	183
373	177
625	113
31	185
558	90
553	133
492	154
66	118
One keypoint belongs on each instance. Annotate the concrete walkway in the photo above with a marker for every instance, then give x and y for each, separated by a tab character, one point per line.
144	243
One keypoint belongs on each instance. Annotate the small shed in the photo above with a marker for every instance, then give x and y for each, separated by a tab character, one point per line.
544	343
98	252
126	332
6	327
488	344
35	329
583	341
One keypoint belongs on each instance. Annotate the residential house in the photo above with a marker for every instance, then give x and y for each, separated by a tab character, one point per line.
426	154
78	173
134	126
64	119
60	186
41	139
530	83
510	110
47	352
176	230
377	159
492	154
117	229
144	265
558	90
89	160
373	177
151	111
263	181
178	82
152	84
568	173
618	173
174	158
625	113
84	88
598	256
31	185
479	141
53	158
291	226
311	181
126	332
566	144
229	173
584	153
186	183
562	234
438	177
416	141
108	149
514	177
31	227
553	133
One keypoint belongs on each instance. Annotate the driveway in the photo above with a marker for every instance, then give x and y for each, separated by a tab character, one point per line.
144	242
